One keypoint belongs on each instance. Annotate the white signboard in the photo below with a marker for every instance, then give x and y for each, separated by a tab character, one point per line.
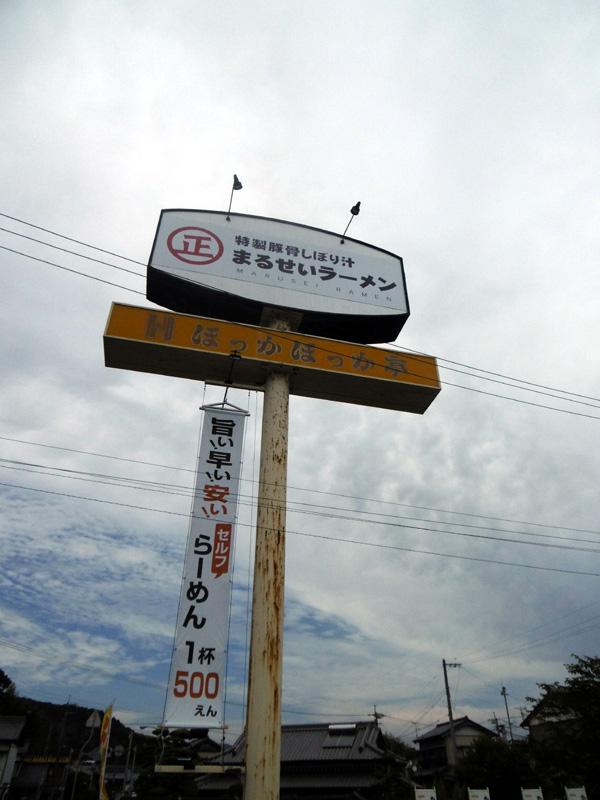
271	263
197	678
532	794
479	794
576	794
425	794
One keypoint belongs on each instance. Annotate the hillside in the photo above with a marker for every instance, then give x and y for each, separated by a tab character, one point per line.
55	730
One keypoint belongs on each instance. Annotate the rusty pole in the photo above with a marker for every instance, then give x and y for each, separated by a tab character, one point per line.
263	720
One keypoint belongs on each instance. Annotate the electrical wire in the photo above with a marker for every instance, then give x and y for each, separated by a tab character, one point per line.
504	377
74	271
296	507
470	657
321	492
69	239
550	638
525	385
329	538
445	360
74	253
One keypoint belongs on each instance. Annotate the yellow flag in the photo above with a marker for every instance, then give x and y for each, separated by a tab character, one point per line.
104	737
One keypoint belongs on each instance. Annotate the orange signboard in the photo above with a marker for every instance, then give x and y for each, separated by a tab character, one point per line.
229	353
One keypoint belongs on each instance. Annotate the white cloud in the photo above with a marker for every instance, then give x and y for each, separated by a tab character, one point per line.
469	133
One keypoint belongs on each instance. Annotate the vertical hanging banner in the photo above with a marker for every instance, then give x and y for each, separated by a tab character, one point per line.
104	738
195	695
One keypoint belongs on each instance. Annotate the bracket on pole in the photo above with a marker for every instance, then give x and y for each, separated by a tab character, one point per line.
224	404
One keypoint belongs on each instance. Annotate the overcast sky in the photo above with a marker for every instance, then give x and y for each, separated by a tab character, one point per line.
469	132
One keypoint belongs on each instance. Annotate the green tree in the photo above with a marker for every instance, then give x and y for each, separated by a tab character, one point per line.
6	685
569	752
10	703
394	744
498	765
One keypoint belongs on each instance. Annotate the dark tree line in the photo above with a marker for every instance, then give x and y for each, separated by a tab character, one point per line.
565	753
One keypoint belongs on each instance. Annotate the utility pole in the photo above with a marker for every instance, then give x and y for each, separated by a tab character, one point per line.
495	723
125	789
377	715
454	751
136	329
63	776
503	693
263	719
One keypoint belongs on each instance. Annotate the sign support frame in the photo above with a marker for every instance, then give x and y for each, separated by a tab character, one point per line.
263	716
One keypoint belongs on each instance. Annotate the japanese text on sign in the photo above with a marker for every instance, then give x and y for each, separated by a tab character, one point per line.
278	256
196	680
288	349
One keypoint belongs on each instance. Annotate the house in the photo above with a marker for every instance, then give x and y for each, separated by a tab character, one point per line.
543	726
40	777
435	747
318	761
11	749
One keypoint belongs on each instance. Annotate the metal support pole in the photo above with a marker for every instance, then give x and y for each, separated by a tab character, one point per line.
503	693
263	722
124	789
454	750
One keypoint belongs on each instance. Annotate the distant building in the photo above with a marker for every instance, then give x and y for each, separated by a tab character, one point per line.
318	761
543	726
11	750
435	747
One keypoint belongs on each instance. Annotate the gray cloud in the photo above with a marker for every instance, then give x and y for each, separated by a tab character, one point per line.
470	134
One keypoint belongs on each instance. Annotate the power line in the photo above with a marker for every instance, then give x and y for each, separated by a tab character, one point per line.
469	656
293	507
141	263
330	538
69	239
444	555
74	253
527	385
523	402
287	337
322	492
554	636
505	377
74	271
98	455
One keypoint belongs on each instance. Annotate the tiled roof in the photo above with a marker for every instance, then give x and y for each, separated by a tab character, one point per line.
443	729
318	757
357	741
10	728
